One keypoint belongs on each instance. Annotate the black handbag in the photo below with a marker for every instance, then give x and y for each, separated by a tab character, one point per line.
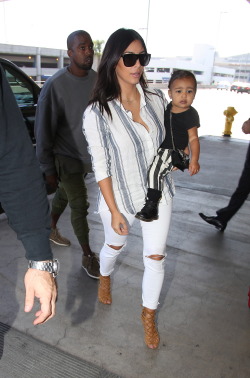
179	158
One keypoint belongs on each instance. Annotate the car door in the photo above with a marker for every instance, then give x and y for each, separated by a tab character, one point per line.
26	93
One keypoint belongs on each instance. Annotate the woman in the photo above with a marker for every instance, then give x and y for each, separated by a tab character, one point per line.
124	126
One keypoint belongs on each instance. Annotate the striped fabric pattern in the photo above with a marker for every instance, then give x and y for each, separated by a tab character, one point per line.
162	164
124	149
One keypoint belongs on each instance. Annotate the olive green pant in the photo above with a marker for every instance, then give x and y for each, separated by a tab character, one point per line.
72	190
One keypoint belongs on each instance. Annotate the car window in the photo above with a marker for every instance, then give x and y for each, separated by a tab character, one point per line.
21	88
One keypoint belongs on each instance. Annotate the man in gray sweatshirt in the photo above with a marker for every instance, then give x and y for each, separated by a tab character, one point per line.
61	147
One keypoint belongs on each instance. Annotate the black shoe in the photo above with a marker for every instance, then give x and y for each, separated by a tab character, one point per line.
149	212
214	221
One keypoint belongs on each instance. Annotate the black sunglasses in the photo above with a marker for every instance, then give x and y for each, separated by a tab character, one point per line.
129	59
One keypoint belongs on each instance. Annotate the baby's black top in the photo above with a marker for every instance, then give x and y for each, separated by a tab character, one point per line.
181	123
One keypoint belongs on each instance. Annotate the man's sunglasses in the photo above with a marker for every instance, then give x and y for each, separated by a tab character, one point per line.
129	59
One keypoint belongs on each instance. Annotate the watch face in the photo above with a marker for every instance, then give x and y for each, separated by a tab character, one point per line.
55	267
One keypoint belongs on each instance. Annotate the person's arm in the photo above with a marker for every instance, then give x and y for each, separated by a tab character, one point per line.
246	127
27	209
194	144
45	127
46	121
24	199
119	223
95	130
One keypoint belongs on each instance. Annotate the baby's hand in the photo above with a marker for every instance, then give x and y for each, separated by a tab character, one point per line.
194	168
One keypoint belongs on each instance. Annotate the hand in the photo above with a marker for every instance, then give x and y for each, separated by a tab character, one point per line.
186	150
194	168
52	181
42	285
119	224
246	127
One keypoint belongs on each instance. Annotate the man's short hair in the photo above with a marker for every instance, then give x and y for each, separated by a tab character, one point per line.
71	37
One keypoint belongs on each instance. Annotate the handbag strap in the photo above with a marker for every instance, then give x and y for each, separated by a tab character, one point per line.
172	131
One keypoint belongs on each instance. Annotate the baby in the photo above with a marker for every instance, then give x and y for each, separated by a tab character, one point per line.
181	122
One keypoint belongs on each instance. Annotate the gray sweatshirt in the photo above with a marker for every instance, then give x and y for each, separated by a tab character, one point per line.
58	124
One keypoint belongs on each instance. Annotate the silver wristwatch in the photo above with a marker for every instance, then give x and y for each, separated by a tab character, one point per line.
51	266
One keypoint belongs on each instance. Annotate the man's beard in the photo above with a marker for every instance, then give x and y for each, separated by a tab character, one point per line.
86	67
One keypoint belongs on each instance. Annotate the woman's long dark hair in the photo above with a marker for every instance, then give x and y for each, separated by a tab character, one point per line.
107	87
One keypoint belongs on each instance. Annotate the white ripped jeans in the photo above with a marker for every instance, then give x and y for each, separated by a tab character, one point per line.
154	243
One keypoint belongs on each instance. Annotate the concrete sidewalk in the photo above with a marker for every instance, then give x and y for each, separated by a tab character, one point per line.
203	318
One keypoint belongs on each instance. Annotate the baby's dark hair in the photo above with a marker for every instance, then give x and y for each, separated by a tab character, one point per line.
180	74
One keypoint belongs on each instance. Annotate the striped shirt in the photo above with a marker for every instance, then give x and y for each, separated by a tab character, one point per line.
123	149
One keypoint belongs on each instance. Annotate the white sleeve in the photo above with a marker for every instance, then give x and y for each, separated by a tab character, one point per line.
96	132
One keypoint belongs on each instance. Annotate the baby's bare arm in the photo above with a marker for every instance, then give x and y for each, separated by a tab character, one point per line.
194	144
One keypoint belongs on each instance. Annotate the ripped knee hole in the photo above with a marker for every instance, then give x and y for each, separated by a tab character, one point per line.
115	247
156	257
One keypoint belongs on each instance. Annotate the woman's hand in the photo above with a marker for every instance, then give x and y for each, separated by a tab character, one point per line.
119	224
118	221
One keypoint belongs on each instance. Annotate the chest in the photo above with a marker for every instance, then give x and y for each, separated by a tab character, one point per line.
134	109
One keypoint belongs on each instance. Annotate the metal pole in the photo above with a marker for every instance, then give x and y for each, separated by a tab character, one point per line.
217	40
147	22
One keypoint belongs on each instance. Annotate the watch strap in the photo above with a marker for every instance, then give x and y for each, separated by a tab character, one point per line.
51	266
